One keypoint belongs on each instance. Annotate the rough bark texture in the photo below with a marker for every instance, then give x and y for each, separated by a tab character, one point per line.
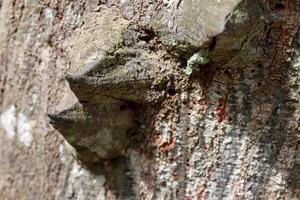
167	99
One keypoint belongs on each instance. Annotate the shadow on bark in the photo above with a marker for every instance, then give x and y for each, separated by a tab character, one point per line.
252	79
258	102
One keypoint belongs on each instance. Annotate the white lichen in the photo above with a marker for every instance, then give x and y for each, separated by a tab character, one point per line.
80	195
24	130
199	58
8	121
296	60
48	13
62	153
17	124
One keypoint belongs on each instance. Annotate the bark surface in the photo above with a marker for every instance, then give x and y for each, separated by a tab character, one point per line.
168	99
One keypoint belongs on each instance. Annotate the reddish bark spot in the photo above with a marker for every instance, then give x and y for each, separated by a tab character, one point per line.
174	177
200	191
167	146
219	112
157	140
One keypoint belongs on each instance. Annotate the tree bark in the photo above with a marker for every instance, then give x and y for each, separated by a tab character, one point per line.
168	99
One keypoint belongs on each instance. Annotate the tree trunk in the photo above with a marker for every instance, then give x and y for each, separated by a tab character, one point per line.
167	99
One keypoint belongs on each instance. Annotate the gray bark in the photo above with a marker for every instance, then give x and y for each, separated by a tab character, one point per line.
176	99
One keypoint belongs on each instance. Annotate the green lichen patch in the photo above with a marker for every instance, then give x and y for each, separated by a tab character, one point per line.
199	58
239	16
